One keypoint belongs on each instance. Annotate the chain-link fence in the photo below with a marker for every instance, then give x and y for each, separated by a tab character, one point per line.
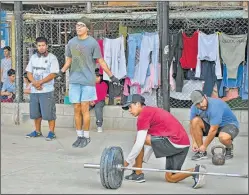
57	24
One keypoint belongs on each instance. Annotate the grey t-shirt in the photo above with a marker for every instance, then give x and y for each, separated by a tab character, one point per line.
83	54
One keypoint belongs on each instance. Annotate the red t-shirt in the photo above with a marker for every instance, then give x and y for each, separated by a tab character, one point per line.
190	51
159	122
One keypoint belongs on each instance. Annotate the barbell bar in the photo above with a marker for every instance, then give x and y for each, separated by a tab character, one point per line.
97	166
112	168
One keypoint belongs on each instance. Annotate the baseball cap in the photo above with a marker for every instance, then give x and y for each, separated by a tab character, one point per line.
133	99
86	21
197	96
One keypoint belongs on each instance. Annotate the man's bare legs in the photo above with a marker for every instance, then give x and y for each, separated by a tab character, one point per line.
86	118
51	125
78	116
38	124
169	177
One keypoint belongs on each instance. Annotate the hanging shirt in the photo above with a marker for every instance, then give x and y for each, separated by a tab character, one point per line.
208	49
115	57
190	51
232	52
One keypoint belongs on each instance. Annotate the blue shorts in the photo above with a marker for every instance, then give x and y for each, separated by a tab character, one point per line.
80	93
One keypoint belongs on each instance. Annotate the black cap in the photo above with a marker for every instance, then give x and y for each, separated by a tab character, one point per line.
133	99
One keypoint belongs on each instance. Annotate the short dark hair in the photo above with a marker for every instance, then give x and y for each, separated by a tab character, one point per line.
41	39
7	47
11	72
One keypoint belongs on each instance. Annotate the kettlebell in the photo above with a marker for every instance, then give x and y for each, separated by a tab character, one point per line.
218	158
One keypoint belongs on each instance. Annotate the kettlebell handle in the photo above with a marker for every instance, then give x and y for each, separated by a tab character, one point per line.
220	146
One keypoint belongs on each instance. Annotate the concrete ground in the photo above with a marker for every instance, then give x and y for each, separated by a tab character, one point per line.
35	166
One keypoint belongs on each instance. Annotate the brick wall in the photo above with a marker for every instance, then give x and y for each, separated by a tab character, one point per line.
114	117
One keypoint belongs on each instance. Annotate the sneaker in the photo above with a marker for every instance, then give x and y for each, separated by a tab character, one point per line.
199	156
50	136
34	134
199	179
99	130
136	178
84	142
77	142
229	153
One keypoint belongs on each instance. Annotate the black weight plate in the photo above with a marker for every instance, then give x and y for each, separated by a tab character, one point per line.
115	176
103	168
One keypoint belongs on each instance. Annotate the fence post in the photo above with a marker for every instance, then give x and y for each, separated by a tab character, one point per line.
18	57
164	37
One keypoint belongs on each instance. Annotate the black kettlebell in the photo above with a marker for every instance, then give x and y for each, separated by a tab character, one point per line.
218	158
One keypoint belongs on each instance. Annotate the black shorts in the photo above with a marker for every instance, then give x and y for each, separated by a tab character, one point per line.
229	129
175	157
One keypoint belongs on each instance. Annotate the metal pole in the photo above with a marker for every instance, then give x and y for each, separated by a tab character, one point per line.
88	7
18	49
164	19
96	166
18	59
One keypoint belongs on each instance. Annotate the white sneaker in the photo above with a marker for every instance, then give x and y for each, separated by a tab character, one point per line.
99	129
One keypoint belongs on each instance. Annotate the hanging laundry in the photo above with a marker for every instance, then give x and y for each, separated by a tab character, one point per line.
190	51
135	87
209	77
134	46
101	45
232	52
175	55
228	83
149	52
208	49
115	57
244	88
149	81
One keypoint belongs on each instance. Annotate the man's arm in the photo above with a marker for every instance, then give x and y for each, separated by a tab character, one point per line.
192	116
211	134
30	77
140	140
3	91
47	78
104	66
67	64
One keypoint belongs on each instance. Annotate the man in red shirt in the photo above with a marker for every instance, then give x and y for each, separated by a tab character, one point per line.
160	132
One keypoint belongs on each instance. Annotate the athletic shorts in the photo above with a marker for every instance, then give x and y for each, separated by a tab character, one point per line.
80	93
175	157
229	129
42	105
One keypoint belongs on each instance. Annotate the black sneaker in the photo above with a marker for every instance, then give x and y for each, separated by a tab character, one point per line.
229	153
84	142
199	156
198	178
136	178
77	142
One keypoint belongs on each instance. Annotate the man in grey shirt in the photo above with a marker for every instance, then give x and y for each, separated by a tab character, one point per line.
81	53
5	64
41	70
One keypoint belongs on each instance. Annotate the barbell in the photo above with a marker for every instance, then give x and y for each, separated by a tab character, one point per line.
112	168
